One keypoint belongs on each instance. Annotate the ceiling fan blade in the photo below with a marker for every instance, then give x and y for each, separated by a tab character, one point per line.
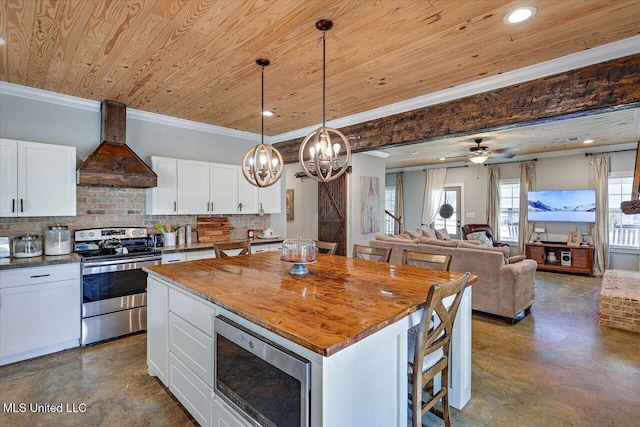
506	150
501	155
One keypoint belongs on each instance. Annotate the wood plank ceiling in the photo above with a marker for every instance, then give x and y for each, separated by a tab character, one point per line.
194	59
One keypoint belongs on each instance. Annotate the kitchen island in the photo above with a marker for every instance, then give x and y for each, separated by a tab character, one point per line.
348	317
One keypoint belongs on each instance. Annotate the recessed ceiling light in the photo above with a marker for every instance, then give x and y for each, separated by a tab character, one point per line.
442	158
415	153
267	113
588	141
2	41
519	15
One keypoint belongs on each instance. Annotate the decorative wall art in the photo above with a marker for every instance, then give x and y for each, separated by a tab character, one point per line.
370	202
288	204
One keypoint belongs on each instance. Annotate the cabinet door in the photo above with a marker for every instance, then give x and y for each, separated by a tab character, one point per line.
46	179
158	329
224	188
163	199
36	316
271	198
247	195
8	177
193	187
196	255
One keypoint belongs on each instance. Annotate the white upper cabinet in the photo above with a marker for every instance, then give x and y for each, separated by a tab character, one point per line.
223	188
163	199
193	187
247	195
37	179
270	198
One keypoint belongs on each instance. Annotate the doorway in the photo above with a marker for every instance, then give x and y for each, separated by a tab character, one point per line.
332	212
450	212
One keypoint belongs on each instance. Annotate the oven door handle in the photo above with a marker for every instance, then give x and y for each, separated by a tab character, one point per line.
122	265
121	261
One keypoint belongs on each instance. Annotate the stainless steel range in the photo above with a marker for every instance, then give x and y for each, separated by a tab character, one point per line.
114	297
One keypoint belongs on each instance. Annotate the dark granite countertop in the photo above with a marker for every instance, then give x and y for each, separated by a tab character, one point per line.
38	261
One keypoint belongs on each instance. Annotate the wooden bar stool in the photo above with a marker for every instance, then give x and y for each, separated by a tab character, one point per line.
221	248
372	254
429	351
328	248
426	260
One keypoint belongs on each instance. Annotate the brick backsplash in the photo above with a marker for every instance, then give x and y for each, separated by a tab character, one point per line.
119	207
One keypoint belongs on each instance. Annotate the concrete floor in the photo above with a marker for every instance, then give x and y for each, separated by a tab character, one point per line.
556	367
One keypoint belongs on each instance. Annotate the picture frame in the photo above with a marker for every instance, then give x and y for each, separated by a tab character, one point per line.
288	203
573	239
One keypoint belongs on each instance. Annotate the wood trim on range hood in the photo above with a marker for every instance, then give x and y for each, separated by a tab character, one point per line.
113	163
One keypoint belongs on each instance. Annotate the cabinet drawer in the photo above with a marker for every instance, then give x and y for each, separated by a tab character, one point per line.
191	391
193	347
223	416
205	254
174	257
256	249
198	314
37	275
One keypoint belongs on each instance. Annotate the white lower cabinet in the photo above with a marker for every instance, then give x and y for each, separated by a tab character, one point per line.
195	255
223	416
190	390
157	329
190	350
180	352
39	311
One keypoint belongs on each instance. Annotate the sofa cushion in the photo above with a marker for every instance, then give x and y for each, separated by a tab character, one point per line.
442	234
503	249
481	237
396	238
436	242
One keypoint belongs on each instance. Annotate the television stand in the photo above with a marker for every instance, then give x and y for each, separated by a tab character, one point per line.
568	259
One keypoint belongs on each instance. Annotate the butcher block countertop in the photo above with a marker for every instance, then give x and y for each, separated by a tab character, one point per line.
338	303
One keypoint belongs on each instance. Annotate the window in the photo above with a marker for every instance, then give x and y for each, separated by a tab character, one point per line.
389	206
624	230
509	209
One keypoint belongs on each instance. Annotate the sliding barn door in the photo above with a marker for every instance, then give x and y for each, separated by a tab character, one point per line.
332	212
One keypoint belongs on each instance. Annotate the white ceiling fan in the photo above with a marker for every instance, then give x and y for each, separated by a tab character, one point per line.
480	153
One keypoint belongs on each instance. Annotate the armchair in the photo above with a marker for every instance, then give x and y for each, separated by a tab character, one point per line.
472	228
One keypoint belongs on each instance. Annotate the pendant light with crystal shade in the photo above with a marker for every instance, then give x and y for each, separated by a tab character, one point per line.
262	165
321	161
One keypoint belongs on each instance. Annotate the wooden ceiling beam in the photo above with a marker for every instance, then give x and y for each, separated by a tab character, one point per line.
594	89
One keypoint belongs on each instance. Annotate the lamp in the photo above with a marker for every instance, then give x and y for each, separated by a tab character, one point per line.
481	158
323	161
262	165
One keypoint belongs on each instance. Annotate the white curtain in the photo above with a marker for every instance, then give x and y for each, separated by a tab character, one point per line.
493	202
399	226
527	183
599	179
433	191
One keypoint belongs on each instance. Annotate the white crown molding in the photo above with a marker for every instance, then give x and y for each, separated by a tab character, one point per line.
608	52
94	106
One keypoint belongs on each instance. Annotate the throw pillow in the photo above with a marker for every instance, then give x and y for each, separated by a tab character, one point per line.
415	234
429	233
442	234
481	237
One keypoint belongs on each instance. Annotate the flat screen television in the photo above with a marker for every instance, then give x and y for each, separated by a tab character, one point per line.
562	205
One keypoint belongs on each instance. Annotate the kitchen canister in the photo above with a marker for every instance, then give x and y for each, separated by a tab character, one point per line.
57	240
